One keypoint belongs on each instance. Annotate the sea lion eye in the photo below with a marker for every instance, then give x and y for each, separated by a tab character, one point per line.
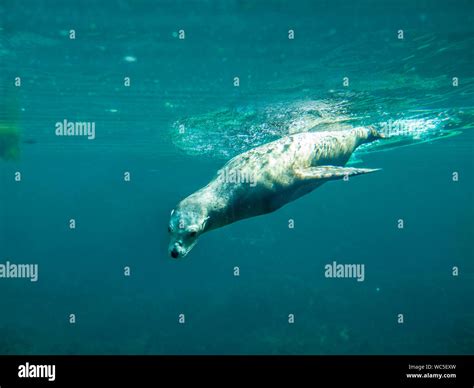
193	234
169	229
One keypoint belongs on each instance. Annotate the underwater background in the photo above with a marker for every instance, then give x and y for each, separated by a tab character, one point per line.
389	64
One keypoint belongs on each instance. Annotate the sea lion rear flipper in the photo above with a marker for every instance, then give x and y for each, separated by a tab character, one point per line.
331	172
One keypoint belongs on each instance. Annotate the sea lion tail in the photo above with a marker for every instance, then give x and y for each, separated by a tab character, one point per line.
367	134
375	134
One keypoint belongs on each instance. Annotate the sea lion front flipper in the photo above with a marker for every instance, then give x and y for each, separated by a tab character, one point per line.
331	172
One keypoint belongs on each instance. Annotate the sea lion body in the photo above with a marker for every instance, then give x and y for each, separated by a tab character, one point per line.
264	179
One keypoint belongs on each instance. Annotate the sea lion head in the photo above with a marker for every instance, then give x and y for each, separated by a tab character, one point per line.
185	227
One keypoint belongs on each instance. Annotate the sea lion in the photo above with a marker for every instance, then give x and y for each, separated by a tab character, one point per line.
264	179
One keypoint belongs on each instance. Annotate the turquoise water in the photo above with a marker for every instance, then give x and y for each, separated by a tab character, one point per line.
285	86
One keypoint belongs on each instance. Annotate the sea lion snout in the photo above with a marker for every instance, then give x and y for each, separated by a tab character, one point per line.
177	250
187	223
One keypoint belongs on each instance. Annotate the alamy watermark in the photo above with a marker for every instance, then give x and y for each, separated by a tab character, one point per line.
28	370
19	271
403	127
344	271
237	176
75	128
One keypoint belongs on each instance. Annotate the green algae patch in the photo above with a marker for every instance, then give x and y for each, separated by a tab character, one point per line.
10	134
9	142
